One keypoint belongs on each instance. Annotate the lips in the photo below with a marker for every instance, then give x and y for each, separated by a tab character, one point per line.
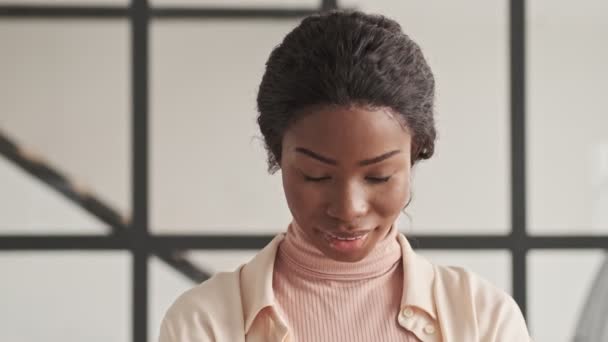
342	236
346	236
347	243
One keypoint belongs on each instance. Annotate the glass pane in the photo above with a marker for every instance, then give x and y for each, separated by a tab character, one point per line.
64	99
467	181
28	206
220	261
167	282
567	121
566	294
65	296
208	167
494	266
311	4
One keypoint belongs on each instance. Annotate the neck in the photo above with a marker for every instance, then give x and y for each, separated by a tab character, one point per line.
308	260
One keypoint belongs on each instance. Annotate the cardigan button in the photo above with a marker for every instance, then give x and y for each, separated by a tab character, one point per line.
429	329
408	312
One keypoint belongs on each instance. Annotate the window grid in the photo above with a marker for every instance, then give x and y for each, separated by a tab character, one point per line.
135	236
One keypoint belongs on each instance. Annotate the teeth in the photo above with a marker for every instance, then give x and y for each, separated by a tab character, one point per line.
345	238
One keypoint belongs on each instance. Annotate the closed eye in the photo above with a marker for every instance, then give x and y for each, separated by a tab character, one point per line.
316	179
378	180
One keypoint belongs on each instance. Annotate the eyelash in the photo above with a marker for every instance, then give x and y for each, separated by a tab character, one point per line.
378	180
315	179
373	180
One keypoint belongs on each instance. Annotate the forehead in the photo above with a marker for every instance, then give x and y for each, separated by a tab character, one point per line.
348	133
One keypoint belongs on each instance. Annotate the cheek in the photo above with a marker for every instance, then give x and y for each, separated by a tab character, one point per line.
390	201
303	200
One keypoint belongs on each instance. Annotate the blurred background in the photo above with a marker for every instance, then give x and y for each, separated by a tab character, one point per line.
131	167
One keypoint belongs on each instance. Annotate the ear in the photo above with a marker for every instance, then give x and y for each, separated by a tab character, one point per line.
408	201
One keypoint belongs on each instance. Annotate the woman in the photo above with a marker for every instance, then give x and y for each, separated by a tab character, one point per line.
346	110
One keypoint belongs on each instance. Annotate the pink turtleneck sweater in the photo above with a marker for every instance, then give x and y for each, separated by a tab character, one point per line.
327	300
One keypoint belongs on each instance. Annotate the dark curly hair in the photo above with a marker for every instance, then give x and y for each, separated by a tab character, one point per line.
344	58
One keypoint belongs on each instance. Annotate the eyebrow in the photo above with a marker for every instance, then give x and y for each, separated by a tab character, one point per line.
330	161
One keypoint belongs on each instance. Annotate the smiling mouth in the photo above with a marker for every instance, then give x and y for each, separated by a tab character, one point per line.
346	243
346	237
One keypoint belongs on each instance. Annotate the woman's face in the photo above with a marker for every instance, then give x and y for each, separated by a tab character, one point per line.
346	176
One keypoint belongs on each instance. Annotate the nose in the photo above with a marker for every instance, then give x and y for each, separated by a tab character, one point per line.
348	203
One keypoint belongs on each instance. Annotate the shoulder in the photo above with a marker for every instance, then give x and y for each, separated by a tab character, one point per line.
211	295
459	279
496	315
204	311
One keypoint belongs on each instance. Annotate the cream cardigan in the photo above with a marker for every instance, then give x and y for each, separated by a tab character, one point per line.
439	303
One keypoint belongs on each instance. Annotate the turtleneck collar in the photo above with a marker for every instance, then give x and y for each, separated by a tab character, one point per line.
297	250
